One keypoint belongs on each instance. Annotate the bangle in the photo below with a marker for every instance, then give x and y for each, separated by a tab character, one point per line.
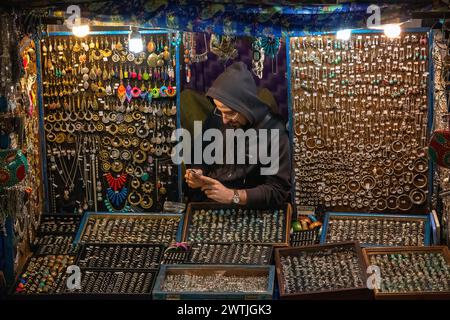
139	156
135	183
70	138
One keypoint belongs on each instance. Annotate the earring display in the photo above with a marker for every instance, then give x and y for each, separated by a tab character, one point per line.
212	253
145	228
376	229
109	119
213	223
43	274
411	272
115	256
214	281
360	115
321	271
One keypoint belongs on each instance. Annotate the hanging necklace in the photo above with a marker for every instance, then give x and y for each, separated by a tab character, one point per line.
116	183
271	46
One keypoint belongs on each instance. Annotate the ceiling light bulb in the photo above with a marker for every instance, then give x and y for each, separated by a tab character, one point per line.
344	34
81	28
135	43
392	30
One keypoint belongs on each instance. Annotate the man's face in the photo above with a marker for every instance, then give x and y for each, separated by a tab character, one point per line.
229	116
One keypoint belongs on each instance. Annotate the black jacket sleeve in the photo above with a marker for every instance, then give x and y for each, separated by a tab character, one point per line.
275	189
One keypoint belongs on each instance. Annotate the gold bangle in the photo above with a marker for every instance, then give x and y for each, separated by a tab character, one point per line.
106	166
50	118
70	138
132	198
420	165
353	186
57	126
146	202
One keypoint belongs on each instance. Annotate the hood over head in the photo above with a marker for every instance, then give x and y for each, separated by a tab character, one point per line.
236	89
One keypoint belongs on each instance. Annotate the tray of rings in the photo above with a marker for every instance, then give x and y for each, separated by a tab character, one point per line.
152	228
376	229
411	272
218	223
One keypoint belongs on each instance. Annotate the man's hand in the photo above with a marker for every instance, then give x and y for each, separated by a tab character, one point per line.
216	191
194	180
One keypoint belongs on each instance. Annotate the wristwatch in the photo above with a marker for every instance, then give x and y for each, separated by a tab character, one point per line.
236	197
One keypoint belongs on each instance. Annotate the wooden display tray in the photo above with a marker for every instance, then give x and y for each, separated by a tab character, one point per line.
119	215
375	216
408	295
250	270
212	205
339	294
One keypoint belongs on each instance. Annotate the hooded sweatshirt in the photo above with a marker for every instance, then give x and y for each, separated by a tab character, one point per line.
236	89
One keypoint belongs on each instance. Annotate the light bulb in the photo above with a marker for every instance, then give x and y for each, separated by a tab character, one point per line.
392	30
81	28
135	43
344	34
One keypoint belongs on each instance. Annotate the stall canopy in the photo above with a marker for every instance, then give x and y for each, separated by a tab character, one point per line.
253	18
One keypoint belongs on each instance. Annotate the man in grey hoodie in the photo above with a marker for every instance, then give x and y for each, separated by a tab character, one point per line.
237	105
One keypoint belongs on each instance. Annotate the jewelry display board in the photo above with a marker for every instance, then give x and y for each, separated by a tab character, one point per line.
360	115
411	272
109	120
377	229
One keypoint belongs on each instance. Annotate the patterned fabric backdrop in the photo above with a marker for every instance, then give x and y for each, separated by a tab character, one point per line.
223	17
204	73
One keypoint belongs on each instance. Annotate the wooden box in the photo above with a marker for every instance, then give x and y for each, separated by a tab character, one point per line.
361	292
211	205
367	252
226	270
